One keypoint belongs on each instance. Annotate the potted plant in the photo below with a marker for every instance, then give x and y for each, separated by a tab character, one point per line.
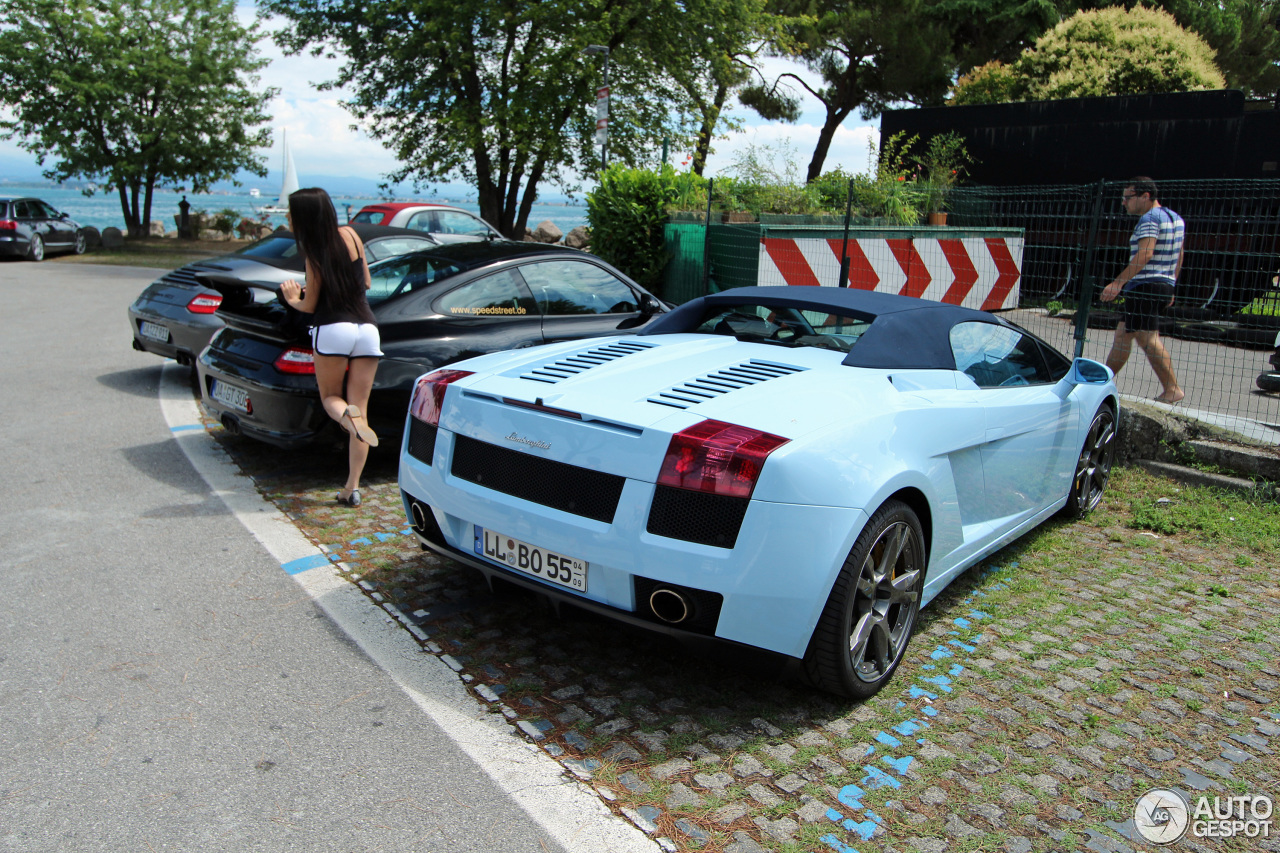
941	167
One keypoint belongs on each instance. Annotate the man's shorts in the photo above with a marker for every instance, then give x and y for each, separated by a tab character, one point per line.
353	340
1145	302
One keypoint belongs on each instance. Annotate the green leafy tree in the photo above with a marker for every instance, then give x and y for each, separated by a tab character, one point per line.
499	93
1244	35
871	54
1103	52
133	93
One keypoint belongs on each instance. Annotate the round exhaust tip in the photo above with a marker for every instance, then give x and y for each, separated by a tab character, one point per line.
418	514
231	424
670	606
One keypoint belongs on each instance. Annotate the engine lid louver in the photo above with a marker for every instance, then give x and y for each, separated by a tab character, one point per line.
573	365
715	385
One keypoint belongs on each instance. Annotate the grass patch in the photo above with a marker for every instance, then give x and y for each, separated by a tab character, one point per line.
154	252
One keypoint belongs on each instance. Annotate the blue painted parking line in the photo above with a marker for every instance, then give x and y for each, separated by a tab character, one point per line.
301	564
186	428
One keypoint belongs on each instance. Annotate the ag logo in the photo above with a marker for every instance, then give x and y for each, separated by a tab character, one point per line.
1161	816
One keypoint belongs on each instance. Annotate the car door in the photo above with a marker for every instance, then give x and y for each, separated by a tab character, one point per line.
58	233
1028	453
580	299
426	320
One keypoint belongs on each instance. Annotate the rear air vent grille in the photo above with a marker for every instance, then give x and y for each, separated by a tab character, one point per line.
569	488
583	361
714	385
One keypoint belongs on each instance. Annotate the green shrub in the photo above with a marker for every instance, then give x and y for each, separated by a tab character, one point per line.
627	213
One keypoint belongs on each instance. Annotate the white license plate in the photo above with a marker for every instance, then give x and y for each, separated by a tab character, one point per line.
230	395
155	332
530	559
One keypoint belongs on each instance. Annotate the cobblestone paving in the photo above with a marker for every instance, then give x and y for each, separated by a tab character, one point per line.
1043	693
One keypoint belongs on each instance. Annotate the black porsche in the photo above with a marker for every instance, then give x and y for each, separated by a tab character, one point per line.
434	307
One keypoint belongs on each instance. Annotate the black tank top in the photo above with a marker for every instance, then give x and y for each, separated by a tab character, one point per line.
345	306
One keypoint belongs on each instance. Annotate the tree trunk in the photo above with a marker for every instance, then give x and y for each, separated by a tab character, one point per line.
835	117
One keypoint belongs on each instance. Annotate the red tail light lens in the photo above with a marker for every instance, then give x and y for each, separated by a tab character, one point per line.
299	360
428	396
716	457
8	225
205	303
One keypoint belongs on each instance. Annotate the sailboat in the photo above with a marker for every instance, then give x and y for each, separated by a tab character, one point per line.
290	185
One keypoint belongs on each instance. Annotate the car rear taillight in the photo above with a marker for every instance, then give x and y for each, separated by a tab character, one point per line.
428	395
205	303
716	457
300	360
8	225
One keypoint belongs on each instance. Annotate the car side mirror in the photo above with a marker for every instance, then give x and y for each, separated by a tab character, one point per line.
1084	371
62	215
649	305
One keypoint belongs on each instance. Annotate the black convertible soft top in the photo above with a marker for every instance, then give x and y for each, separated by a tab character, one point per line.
905	332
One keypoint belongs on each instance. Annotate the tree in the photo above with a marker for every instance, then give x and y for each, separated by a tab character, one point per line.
1244	35
874	53
133	93
497	92
1096	53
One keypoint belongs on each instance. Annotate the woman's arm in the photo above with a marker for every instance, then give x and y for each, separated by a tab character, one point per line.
303	300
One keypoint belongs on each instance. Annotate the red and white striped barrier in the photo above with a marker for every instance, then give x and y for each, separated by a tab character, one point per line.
976	272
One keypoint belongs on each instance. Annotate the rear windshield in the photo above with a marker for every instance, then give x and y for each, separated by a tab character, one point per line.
271	248
371	217
788	327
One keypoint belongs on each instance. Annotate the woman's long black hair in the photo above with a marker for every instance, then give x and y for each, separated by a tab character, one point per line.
315	227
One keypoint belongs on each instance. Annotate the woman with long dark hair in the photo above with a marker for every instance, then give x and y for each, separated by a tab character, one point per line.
344	334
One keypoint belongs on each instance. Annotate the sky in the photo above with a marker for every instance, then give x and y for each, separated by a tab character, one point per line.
324	143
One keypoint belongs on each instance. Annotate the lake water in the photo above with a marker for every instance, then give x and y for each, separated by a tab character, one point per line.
102	210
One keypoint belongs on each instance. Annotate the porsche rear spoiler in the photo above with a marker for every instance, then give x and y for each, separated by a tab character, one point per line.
256	307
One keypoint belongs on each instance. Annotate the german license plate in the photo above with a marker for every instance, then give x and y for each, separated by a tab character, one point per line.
230	395
530	559
155	332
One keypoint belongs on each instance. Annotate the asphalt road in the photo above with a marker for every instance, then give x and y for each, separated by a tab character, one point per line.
163	684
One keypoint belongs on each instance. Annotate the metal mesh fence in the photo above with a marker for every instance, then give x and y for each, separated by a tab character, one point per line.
1219	332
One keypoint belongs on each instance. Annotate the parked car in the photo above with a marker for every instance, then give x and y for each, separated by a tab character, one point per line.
176	315
1269	379
257	376
794	470
446	223
31	228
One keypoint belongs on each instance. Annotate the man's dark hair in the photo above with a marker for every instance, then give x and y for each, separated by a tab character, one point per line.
1143	184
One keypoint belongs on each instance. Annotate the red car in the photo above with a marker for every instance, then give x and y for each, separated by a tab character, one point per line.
448	224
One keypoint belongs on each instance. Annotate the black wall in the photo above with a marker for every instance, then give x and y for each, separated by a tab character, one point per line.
1181	135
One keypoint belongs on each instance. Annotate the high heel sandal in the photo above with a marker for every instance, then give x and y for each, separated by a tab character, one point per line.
352	499
359	430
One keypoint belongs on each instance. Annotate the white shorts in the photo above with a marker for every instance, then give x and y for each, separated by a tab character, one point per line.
351	340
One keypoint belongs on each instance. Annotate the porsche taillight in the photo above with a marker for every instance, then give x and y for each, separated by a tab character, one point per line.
297	360
428	395
718	458
205	303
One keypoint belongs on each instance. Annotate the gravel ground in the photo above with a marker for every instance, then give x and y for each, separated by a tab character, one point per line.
1044	692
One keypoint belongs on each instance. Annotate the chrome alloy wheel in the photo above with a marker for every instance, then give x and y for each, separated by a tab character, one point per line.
886	601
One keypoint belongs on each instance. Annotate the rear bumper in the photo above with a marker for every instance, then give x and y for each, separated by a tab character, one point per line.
773	587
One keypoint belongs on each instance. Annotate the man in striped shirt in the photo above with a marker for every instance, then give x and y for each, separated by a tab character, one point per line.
1147	283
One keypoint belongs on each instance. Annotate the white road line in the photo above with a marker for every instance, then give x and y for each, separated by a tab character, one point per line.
569	811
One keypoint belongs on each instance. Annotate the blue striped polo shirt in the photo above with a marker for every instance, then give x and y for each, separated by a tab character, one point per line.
1168	229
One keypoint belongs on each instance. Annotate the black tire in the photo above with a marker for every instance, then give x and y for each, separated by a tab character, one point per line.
1093	467
871	612
81	243
1269	382
35	252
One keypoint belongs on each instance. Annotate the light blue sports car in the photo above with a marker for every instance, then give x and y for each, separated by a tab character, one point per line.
791	469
